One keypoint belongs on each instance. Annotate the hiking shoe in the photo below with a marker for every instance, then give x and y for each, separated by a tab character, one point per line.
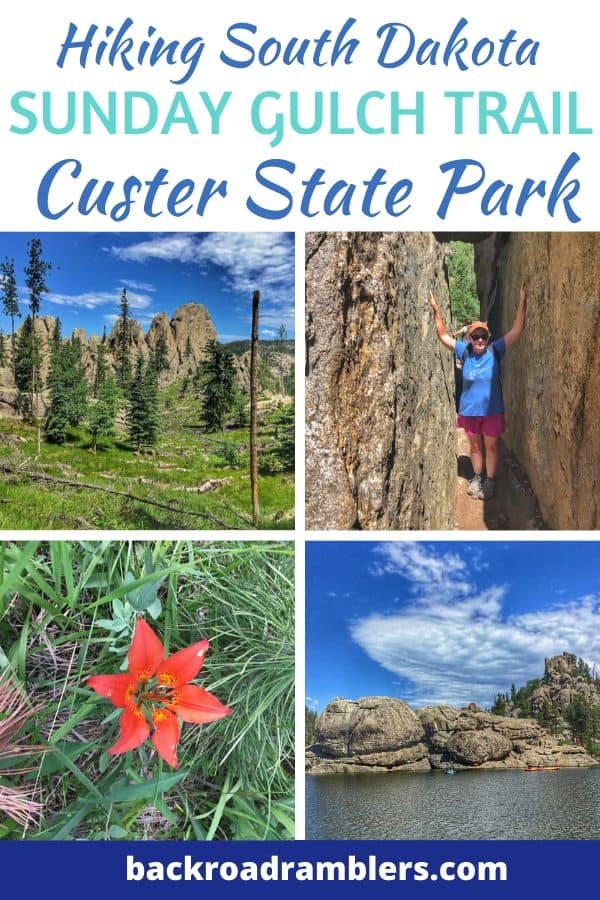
474	486
487	489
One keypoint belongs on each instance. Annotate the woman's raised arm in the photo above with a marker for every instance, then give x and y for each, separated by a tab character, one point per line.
512	336
442	331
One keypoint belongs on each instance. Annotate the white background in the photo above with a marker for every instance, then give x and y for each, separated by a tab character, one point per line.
566	61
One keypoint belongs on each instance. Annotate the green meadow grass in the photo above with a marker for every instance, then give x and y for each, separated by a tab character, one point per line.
67	610
185	459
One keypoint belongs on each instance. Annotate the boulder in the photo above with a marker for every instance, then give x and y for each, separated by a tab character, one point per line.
476	747
372	725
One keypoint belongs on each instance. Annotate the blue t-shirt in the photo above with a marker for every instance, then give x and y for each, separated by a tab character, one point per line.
482	391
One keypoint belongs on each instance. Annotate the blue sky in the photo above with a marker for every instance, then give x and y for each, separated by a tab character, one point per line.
161	272
445	622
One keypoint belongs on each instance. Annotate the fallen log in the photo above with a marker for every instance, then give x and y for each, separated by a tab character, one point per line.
39	476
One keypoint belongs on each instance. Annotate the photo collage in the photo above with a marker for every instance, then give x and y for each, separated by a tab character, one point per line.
299	536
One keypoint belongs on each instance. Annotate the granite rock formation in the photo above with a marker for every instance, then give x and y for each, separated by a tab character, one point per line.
382	734
552	380
372	734
379	389
562	682
186	335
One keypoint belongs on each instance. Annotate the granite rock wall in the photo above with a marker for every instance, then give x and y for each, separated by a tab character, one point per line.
380	388
551	378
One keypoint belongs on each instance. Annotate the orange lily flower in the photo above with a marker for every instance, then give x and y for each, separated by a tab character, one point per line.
155	692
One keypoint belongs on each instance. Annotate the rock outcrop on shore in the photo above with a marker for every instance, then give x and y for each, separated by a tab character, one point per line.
382	734
561	683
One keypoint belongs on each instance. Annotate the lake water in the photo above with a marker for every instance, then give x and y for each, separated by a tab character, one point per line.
483	805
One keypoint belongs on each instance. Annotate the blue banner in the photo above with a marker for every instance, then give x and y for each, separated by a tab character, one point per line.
553	869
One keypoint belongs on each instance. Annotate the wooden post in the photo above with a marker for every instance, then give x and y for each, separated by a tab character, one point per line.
253	407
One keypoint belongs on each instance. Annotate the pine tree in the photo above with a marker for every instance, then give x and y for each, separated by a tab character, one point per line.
35	279
135	410
10	299
152	412
75	381
143	418
27	360
57	419
160	357
281	340
57	333
188	353
68	387
124	341
56	424
218	377
101	370
289	382
102	414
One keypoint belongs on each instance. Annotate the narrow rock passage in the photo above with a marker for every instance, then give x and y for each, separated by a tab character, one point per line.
514	505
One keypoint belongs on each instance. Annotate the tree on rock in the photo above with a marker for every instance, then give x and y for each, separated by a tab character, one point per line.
218	383
160	355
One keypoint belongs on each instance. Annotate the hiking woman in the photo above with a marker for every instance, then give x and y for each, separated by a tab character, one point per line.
481	408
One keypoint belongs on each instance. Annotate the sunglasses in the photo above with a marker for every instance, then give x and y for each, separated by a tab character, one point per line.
480	336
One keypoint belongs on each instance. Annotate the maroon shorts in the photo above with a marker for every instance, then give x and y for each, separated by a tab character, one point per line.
490	426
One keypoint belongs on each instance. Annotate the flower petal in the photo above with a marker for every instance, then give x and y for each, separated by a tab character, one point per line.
194	704
119	689
183	665
146	652
166	735
134	730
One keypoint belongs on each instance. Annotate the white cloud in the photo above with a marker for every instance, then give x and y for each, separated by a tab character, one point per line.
94	299
429	573
250	261
137	285
452	641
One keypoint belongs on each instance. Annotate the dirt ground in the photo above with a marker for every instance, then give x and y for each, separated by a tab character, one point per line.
513	506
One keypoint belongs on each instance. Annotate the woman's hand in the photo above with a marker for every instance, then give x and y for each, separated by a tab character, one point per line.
432	302
519	324
523	294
